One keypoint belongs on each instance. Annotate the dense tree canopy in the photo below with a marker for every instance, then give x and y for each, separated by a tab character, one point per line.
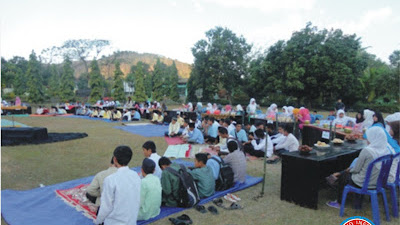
95	82
67	86
35	80
220	62
118	93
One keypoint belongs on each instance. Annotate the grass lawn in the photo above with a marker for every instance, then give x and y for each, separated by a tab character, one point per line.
25	167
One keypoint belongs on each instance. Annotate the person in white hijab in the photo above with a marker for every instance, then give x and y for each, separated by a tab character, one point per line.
377	147
190	107
239	108
252	107
391	118
272	109
368	118
285	111
290	110
209	107
341	118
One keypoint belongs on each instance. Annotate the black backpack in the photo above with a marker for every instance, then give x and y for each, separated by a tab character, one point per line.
225	176
188	196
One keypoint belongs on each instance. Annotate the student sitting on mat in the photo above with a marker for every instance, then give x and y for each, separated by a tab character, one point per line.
127	115
239	133
149	151
116	115
120	198
221	147
256	147
150	192
203	176
185	132
195	135
173	129
213	163
237	160
180	120
93	191
135	115
169	182
212	131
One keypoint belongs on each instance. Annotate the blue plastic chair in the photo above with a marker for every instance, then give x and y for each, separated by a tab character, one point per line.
380	184
393	186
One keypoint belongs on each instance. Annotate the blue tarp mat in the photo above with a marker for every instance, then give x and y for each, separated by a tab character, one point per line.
42	205
92	118
9	123
149	130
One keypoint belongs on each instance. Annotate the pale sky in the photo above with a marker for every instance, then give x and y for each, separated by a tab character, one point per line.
171	27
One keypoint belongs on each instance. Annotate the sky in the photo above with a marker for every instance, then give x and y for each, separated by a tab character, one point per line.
172	27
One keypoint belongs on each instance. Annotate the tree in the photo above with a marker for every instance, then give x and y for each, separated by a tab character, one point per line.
221	61
159	75
67	81
171	89
54	82
118	92
394	58
95	82
140	95
35	80
79	49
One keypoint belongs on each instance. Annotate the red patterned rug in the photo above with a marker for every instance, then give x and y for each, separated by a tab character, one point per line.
76	197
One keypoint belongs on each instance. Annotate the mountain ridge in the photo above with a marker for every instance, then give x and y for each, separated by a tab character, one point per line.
129	58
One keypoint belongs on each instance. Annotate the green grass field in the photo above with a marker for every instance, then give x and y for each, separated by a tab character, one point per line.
25	167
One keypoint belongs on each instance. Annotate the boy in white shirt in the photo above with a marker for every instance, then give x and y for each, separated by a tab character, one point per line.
173	129
290	144
120	199
257	146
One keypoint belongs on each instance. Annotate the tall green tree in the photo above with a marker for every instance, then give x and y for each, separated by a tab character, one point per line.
96	82
171	89
54	89
67	86
159	75
140	94
220	61
35	80
118	92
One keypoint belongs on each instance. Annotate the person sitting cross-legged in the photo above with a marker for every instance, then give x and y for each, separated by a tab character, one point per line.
195	135
173	129
203	176
237	160
150	192
93	191
169	182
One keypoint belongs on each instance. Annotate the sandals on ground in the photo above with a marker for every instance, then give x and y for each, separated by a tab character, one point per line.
201	208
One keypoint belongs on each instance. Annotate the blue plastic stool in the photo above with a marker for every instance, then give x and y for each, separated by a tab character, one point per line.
393	186
380	184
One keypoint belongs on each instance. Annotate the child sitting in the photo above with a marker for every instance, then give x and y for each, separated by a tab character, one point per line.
150	192
203	176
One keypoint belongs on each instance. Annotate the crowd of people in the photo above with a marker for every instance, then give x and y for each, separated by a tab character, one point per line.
125	196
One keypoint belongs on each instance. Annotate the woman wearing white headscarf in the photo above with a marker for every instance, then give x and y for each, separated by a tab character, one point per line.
341	118
209	107
368	118
252	107
239	108
190	107
272	110
285	111
377	147
391	118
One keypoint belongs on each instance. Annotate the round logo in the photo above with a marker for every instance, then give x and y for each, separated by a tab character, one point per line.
357	220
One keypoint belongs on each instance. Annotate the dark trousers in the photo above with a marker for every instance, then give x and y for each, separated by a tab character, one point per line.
135	119
175	135
210	139
280	151
248	148
343	180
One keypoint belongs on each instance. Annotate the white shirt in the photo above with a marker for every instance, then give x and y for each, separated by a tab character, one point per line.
174	128
291	144
120	199
261	146
155	157
185	132
128	114
231	129
279	138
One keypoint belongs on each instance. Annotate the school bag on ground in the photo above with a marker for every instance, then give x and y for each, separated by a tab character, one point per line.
225	176
188	195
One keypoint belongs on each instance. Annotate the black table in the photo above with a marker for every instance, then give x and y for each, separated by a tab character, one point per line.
312	134
302	176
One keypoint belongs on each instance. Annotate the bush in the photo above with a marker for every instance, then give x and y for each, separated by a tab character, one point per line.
382	107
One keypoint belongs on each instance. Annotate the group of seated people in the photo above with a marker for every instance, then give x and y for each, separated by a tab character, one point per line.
125	196
54	110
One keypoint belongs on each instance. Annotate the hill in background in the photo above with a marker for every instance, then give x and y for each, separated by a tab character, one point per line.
128	59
